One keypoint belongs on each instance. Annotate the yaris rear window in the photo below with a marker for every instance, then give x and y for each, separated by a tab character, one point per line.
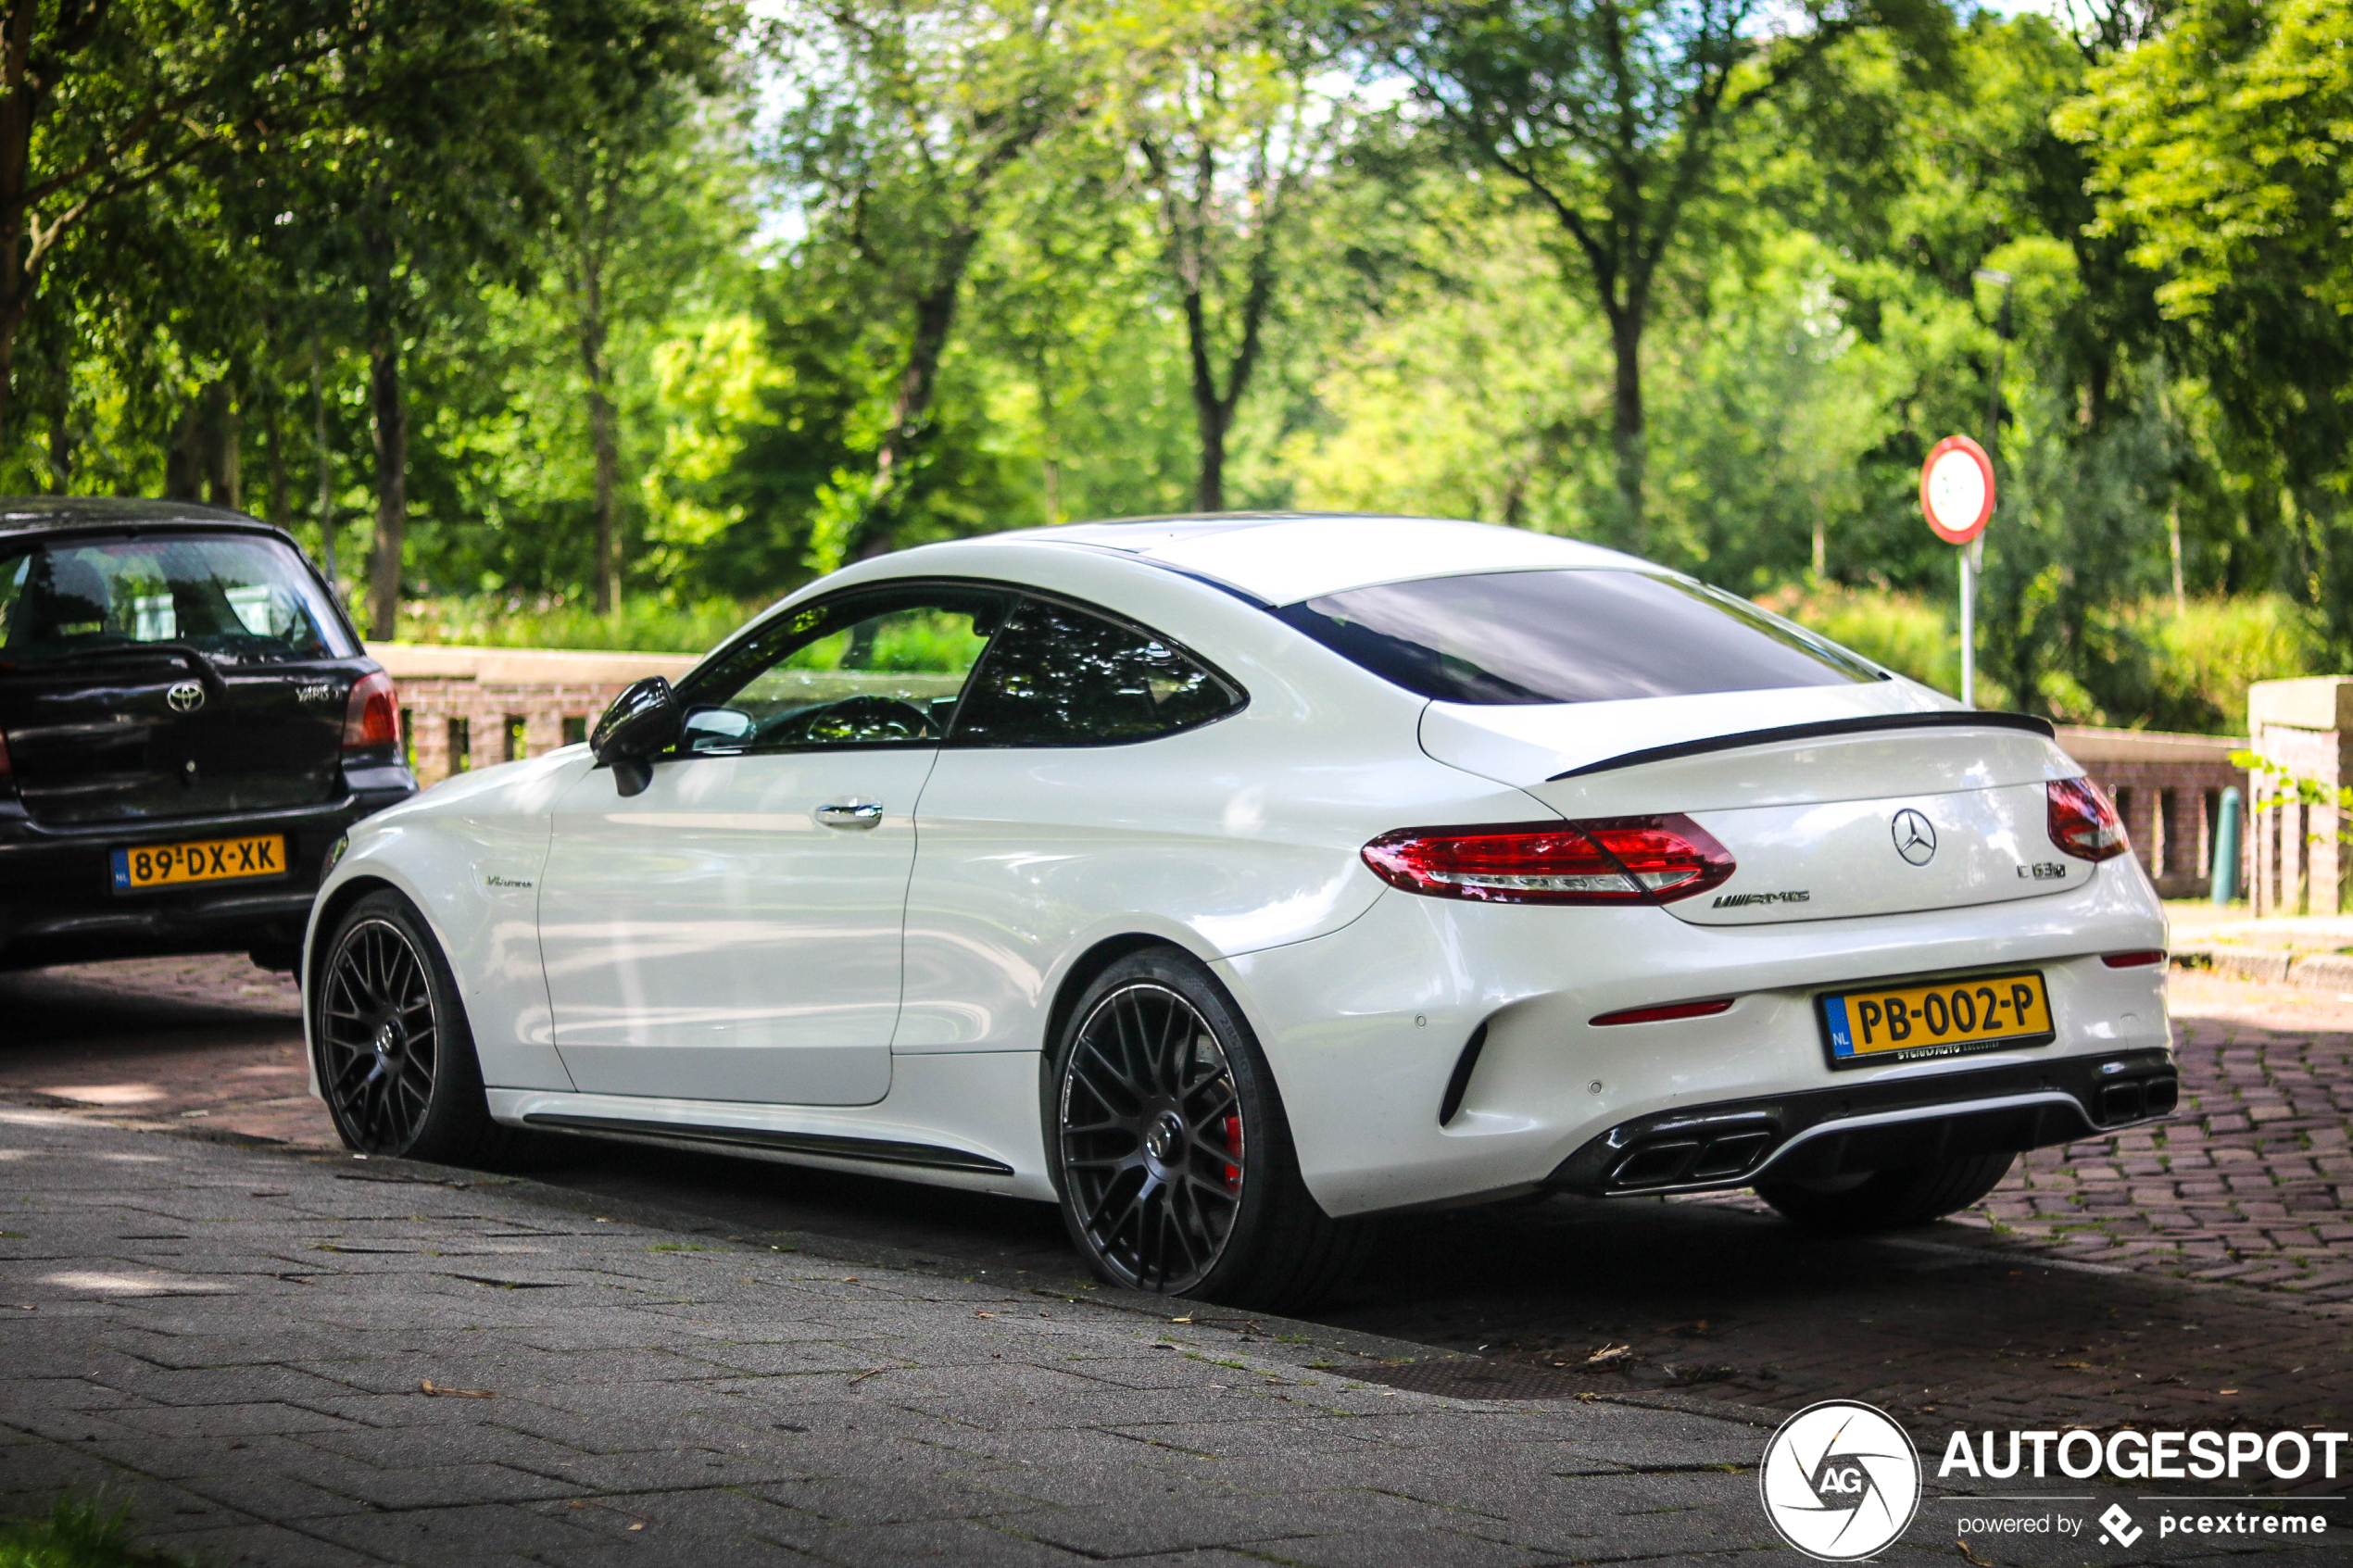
233	598
1568	636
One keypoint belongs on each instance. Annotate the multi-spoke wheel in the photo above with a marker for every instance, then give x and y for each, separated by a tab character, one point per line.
377	1038
396	1060
1169	1146
1151	1137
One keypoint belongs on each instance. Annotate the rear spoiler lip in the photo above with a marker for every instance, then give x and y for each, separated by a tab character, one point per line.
1966	718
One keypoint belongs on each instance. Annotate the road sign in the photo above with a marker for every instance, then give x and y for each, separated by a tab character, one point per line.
1956	489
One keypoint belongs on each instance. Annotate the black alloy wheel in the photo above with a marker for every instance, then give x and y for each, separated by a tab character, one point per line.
1151	1138
394	1056
378	1039
1170	1150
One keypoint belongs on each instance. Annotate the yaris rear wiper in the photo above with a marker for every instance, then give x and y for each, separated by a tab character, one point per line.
195	658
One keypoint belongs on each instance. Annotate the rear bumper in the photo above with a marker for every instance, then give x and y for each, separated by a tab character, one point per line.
57	902
1820	1133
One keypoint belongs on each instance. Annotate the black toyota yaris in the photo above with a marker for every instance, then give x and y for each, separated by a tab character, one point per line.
188	724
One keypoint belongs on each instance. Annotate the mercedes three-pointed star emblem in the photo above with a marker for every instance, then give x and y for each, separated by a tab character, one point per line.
1914	837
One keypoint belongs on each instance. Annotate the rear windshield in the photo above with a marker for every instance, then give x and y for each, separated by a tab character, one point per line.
1568	636
233	598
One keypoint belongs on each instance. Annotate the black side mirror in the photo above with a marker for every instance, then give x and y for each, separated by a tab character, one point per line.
642	722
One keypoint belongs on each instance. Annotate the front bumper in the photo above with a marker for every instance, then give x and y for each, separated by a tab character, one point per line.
58	903
1907	1122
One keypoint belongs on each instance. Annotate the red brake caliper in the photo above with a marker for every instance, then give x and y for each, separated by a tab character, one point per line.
1234	1154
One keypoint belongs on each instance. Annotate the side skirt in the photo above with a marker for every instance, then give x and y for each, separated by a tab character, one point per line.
828	1145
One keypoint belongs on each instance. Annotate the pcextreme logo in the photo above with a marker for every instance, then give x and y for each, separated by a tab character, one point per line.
1840	1481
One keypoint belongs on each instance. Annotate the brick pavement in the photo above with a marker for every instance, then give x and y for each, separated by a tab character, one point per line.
2250	1184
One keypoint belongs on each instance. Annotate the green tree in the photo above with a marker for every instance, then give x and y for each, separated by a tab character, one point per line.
1613	116
2221	152
909	118
1236	139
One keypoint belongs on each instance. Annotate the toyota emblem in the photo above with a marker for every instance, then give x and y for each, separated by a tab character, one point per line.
1914	837
186	697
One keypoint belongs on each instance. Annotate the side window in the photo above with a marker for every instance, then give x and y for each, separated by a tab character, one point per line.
881	668
1057	676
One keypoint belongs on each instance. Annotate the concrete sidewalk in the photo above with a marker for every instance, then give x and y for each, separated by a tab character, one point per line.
302	1358
294	1359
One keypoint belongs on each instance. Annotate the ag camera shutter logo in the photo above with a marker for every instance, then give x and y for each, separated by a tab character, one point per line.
1840	1481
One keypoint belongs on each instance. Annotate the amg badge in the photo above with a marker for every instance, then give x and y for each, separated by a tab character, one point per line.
1736	901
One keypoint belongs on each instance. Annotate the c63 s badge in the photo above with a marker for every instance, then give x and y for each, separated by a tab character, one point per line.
1742	900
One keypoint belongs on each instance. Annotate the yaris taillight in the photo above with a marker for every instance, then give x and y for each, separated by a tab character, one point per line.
2083	823
1614	860
371	718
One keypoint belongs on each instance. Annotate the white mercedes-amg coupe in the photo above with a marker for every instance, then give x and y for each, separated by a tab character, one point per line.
1229	880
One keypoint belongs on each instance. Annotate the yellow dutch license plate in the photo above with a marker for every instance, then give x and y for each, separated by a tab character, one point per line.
1939	1018
212	859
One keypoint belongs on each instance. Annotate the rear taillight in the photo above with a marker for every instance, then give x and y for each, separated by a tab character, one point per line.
1619	860
2082	823
370	720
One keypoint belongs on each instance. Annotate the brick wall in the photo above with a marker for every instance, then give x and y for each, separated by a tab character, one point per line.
2305	726
470	707
2169	790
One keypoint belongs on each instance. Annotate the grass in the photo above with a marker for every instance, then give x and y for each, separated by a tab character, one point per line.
77	1534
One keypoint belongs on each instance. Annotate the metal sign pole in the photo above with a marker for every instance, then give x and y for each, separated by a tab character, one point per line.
1956	495
1969	626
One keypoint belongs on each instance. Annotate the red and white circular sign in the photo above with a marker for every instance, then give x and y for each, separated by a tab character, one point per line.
1956	489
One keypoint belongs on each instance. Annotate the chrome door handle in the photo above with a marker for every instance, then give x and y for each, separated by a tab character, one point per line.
850	813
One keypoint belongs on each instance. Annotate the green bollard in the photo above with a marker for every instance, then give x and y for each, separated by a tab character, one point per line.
2226	850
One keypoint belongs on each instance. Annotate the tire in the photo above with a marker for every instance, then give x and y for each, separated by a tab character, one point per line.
1888	1200
1152	1082
394	1056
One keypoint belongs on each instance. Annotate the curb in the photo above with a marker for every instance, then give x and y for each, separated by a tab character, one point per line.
2323	971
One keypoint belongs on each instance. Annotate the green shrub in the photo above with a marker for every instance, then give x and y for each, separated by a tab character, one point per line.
2206	657
1903	632
642	625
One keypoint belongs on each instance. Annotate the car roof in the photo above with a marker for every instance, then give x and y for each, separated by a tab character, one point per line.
44	514
1282	558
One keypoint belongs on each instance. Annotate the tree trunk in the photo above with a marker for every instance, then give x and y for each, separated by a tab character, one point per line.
218	431
600	436
392	468
1209	494
61	444
274	429
17	112
934	319
1626	419
326	474
183	459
